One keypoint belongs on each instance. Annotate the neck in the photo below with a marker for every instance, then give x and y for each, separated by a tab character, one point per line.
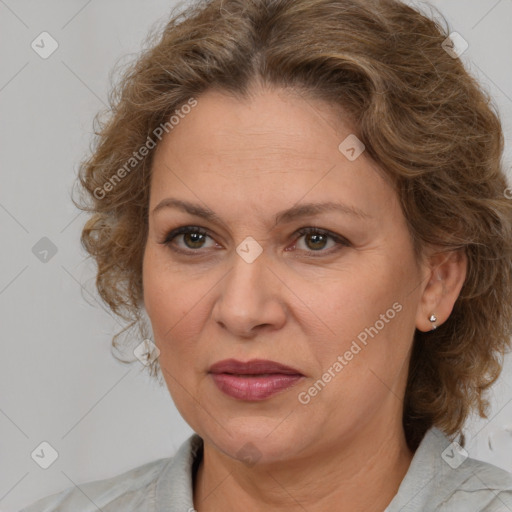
359	472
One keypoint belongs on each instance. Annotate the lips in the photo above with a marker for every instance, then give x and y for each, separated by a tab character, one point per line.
253	380
253	367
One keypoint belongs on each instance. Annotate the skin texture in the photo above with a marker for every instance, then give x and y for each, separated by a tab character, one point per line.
301	302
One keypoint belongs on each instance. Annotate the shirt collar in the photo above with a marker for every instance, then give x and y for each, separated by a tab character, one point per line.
424	486
430	479
174	487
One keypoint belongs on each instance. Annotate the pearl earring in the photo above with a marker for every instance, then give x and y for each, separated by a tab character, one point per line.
433	318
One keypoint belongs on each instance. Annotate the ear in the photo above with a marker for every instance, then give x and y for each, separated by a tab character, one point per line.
445	275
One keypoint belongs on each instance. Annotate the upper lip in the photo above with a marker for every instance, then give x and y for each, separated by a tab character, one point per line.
252	367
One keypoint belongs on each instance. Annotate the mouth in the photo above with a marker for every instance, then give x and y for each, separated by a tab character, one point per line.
253	380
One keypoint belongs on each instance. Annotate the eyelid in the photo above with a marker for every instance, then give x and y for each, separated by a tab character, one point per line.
316	229
174	233
299	233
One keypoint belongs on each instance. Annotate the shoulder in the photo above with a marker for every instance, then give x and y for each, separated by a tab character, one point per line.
150	486
481	487
129	491
442	477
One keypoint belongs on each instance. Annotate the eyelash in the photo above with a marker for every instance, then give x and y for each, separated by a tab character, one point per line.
340	241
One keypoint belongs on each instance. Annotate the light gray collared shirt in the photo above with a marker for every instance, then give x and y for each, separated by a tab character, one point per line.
439	479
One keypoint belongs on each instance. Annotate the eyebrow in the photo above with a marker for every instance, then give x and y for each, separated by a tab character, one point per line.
295	212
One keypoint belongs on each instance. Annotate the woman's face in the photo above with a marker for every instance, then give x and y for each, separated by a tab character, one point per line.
338	305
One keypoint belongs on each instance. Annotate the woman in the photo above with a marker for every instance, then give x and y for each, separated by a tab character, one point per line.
306	198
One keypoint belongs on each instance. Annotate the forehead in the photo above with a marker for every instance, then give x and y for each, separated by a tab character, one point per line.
274	145
266	120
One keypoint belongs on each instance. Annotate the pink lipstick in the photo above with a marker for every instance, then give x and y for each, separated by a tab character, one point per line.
253	380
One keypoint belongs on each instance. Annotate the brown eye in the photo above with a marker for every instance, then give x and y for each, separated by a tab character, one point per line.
316	240
193	238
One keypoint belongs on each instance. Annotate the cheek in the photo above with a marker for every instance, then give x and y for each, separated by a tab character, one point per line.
362	362
164	304
174	301
165	291
161	298
368	316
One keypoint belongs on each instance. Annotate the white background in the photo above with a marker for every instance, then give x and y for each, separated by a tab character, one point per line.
58	380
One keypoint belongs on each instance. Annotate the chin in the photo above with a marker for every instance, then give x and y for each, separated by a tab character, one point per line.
254	441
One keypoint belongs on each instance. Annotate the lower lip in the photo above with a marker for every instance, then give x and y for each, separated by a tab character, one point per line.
253	388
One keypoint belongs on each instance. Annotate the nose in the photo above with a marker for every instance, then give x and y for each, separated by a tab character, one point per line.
250	299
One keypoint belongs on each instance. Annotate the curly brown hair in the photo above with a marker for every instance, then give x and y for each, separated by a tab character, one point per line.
422	117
